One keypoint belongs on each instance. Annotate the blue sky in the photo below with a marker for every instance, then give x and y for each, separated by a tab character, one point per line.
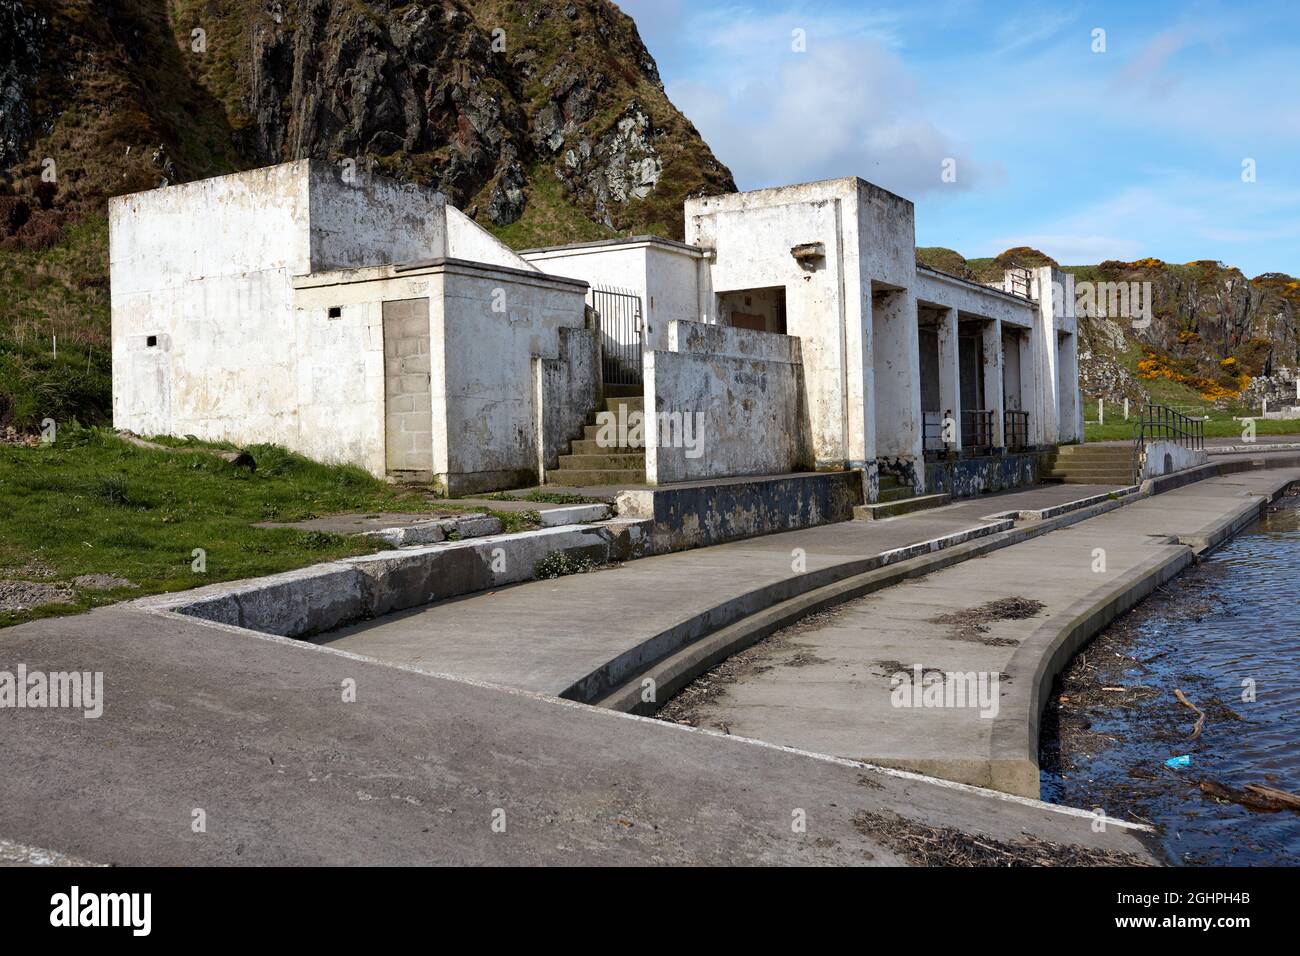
1135	151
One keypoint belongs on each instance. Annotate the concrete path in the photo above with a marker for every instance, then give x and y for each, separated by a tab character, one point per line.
847	684
252	735
547	636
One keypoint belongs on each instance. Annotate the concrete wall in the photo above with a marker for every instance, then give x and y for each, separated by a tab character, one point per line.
489	328
751	236
1166	457
264	296
206	269
663	273
740	393
490	416
567	390
467	240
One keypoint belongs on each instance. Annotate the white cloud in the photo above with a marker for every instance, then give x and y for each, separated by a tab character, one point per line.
845	107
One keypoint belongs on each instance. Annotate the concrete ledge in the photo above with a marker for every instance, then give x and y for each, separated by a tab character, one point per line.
441	529
326	596
573	514
1043	514
1013	752
703	513
648	657
676	665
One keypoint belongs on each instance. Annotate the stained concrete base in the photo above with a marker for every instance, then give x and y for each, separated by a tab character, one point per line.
561	636
831	686
259	734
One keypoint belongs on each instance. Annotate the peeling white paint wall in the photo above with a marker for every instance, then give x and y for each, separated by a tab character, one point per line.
262	293
739	398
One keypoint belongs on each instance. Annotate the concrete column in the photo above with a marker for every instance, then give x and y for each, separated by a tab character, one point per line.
950	375
897	394
1046	428
993	398
1070	407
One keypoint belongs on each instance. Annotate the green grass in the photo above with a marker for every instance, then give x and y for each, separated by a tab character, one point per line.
92	503
1220	425
58	292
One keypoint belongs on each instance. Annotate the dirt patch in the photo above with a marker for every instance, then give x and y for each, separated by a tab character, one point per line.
688	706
102	582
925	845
34	570
25	595
972	624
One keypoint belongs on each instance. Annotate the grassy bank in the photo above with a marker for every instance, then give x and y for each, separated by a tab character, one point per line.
92	504
1220	424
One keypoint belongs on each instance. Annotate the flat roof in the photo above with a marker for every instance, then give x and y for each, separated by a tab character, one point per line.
1022	299
673	244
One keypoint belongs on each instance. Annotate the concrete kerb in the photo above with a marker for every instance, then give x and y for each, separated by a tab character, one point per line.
439	530
322	597
853	579
672	669
1013	751
325	596
909	775
748	608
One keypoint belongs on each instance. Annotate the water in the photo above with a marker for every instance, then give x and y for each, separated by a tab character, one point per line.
1222	630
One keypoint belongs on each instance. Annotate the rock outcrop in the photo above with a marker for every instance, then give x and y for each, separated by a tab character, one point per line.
498	104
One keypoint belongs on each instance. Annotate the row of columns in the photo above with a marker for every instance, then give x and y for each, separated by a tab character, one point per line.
950	374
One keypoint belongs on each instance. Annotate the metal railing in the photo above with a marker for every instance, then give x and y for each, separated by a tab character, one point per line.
622	334
1019	281
1160	422
932	433
1015	430
977	430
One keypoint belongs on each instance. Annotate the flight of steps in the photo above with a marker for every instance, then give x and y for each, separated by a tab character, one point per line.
588	464
895	499
1091	465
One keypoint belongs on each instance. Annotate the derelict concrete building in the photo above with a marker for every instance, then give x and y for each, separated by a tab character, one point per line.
371	323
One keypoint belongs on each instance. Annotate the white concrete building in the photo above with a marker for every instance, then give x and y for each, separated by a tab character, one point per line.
905	370
366	323
369	322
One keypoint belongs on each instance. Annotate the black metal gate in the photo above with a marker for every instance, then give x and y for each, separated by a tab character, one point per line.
622	334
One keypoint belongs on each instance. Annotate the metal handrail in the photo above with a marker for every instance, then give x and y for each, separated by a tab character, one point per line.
1015	430
977	430
1161	421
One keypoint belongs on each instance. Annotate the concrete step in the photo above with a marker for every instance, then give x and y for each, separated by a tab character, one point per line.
634	403
1109	467
1091	477
892	509
592	432
604	461
593	478
623	391
1095	451
1115	468
1126	455
1115	480
585	446
894	493
888	481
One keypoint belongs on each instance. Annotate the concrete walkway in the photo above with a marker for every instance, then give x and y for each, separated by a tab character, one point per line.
549	636
256	733
830	686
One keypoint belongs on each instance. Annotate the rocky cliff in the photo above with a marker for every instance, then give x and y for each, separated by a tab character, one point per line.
544	118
